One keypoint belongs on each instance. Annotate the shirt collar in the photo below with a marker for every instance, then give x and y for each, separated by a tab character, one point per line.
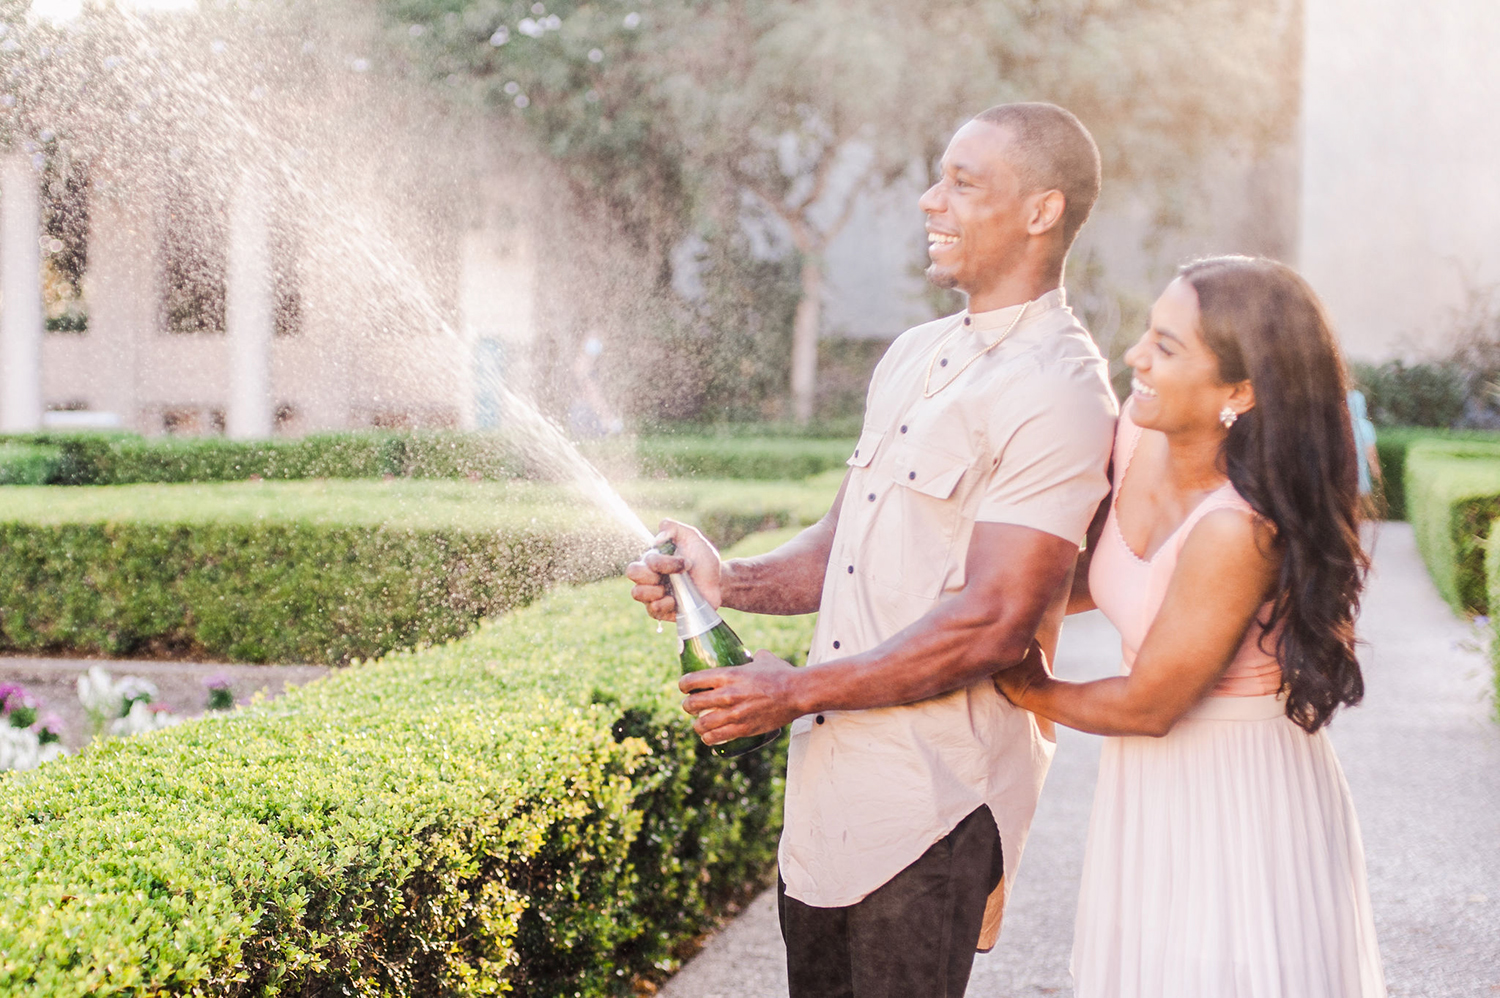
988	325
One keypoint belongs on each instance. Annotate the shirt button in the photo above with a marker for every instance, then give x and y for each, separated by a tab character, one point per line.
912	476
851	569
872	497
943	362
820	718
856	452
835	644
903	429
967	320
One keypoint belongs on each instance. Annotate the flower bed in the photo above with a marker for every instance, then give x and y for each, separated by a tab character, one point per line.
524	811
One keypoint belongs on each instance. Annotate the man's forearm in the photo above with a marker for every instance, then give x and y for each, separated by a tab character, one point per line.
950	648
786	581
1017	587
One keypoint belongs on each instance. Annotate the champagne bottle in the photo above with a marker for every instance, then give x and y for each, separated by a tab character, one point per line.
706	642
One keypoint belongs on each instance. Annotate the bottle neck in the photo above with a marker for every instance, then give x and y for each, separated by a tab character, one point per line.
695	615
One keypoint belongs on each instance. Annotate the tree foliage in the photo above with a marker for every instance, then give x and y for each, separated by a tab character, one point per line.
686	115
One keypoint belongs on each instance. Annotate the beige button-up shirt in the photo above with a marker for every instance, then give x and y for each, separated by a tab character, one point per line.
951	436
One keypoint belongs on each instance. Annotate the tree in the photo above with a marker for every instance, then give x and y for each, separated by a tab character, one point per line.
701	112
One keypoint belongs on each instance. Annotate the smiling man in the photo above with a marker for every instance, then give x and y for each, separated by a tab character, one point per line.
911	783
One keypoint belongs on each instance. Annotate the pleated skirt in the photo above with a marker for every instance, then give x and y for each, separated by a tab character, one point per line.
1224	861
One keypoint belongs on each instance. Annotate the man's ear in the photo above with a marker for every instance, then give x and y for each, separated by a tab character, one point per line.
1046	212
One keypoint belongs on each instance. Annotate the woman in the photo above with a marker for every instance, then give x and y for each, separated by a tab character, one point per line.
1224	858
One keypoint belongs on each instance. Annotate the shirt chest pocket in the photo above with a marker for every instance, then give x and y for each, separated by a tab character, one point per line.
909	541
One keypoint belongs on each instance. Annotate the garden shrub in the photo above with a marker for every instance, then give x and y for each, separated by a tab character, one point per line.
525	811
751	457
27	464
320	572
1422	394
1453	495
115	458
1393	442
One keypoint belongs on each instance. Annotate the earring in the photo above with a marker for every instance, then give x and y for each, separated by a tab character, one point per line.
1227	416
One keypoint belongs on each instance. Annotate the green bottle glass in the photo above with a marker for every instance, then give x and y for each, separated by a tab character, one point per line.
706	642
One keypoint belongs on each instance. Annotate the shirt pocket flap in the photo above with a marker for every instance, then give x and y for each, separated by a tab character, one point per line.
864	451
931	473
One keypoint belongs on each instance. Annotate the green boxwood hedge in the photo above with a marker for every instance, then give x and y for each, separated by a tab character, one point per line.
27	464
1453	495
105	458
115	458
525	811
321	571
1393	443
740	457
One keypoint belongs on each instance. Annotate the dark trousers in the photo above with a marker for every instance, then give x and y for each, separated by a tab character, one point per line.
914	937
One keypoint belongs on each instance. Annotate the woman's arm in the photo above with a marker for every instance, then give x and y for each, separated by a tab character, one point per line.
1080	600
1225	573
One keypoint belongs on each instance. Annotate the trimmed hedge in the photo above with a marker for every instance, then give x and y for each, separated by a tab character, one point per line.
100	458
526	811
1453	495
27	464
103	458
1393	443
740	457
320	571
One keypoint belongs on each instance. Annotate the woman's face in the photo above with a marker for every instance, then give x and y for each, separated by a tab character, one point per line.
1176	386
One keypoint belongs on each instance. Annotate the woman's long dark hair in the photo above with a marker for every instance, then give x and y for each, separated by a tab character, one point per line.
1292	457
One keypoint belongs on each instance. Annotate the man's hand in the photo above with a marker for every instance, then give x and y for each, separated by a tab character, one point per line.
695	555
742	700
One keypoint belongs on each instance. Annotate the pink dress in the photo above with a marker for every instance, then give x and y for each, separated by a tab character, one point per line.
1224	860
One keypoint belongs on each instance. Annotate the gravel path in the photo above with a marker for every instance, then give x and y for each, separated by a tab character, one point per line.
1423	759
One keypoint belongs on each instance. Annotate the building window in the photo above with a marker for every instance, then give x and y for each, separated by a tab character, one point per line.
65	228
194	240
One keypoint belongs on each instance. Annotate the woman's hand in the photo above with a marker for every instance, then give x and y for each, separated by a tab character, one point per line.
1015	682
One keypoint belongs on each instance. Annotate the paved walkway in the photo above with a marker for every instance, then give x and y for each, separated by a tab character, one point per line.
1422	756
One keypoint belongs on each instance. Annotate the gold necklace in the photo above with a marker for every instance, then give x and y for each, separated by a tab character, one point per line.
928	391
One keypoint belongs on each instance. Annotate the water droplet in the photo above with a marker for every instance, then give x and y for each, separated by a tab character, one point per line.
416	31
500	37
632	20
530	28
522	101
596	55
512	88
552	22
360	65
217	46
539	8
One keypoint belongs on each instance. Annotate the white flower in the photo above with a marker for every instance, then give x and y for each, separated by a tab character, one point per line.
142	719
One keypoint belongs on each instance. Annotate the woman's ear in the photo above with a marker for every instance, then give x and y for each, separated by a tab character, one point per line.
1242	397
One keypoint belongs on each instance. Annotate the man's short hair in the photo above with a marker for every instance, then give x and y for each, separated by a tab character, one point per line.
1053	152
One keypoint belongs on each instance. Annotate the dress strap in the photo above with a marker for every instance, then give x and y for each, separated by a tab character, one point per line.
1127	436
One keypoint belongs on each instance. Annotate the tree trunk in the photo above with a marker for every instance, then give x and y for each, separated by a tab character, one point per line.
805	338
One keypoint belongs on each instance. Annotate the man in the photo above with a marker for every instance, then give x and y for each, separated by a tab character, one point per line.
911	783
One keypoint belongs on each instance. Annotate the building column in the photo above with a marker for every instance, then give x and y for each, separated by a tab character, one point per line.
249	311
21	323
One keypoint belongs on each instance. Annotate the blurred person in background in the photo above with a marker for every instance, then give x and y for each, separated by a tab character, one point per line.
911	782
590	416
1224	857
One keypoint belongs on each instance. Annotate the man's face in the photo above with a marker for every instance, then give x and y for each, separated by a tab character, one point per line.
976	212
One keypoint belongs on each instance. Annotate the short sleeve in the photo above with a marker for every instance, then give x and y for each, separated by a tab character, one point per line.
1053	436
